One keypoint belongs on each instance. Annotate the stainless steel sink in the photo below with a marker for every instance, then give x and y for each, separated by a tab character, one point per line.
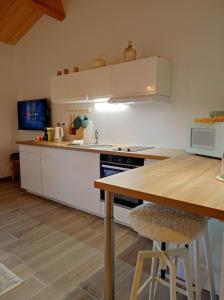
92	145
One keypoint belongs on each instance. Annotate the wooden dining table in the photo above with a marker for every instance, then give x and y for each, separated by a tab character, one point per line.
184	181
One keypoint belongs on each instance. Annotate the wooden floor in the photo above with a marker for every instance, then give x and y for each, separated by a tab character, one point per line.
58	251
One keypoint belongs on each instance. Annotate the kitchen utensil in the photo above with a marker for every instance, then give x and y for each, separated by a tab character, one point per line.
84	121
59	132
73	128
70	124
77	123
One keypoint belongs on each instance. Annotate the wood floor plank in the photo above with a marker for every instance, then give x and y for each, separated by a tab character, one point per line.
27	290
17	266
58	250
67	285
73	259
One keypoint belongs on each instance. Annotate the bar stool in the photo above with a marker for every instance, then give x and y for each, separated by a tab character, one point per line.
164	226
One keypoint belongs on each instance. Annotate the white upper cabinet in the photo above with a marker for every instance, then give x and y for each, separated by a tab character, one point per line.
64	88
140	78
94	84
82	86
146	77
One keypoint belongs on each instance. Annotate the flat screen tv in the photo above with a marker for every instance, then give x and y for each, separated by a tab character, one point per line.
33	114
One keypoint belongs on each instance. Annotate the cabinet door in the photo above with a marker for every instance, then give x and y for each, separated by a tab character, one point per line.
30	168
94	83
64	88
68	176
137	77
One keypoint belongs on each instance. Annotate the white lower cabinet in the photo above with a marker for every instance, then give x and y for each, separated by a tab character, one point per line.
30	164
69	176
62	175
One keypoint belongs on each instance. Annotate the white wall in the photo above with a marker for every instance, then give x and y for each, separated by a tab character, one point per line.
8	118
189	33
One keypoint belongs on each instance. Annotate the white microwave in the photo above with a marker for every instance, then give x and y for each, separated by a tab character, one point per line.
206	139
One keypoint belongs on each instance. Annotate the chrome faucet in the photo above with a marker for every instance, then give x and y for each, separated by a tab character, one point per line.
96	136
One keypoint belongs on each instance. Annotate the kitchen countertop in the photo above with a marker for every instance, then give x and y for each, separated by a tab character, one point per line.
186	182
155	153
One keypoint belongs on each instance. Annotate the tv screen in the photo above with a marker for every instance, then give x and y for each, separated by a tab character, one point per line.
33	114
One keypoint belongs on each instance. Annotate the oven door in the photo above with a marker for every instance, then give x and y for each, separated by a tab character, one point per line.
123	201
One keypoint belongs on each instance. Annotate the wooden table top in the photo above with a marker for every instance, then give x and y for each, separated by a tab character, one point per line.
186	182
155	153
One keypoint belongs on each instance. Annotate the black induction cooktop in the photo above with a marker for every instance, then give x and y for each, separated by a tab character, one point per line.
132	148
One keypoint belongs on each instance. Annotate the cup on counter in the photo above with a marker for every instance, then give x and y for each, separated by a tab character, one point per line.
50	134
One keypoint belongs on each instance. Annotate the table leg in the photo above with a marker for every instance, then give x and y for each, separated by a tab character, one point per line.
222	269
109	248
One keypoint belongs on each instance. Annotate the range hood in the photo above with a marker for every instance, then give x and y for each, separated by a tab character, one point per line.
140	99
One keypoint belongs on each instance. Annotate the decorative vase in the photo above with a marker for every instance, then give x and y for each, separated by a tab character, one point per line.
129	52
99	62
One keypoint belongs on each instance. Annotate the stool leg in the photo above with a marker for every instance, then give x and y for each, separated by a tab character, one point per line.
188	275
137	277
160	267
209	264
173	284
153	276
197	270
173	292
176	257
163	270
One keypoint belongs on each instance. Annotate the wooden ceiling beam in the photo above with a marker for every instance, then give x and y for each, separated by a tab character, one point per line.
52	8
29	21
18	16
5	6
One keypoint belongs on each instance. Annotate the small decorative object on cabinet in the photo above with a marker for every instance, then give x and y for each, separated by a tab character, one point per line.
76	69
59	73
129	52
99	62
66	71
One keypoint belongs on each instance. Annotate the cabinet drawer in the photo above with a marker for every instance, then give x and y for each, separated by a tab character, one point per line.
30	149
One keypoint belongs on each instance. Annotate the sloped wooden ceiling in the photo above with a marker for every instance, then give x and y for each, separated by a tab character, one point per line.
18	16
